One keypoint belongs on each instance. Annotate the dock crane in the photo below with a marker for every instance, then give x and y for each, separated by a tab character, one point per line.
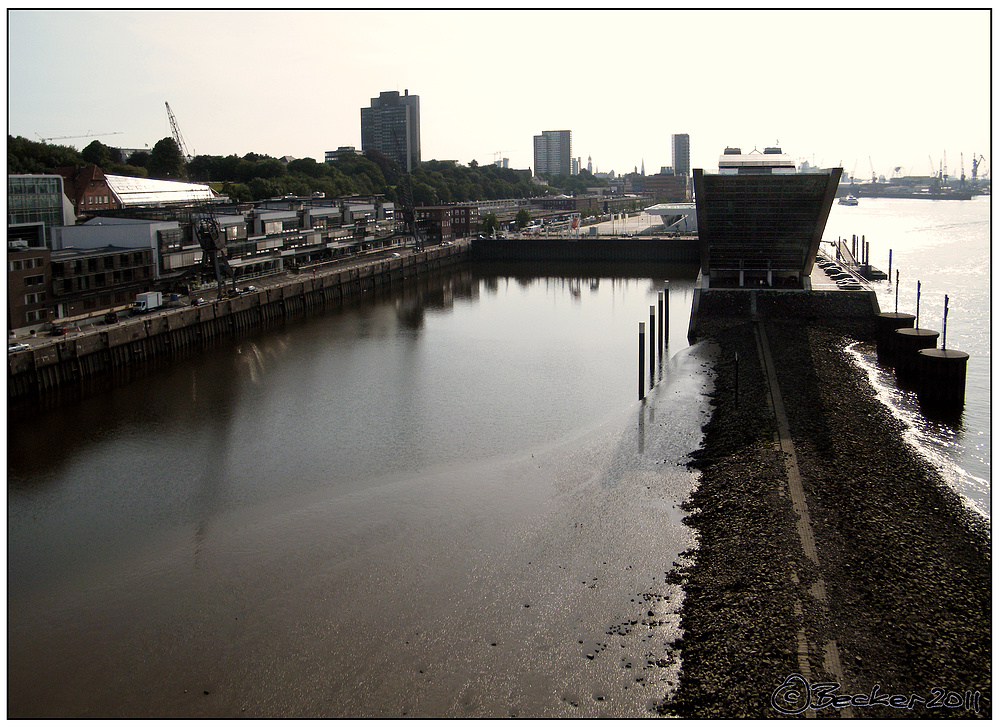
976	161
47	139
175	130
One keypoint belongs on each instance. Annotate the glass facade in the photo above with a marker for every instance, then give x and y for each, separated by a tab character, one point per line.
761	223
34	198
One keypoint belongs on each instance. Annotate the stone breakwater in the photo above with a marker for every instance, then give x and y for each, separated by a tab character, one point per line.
906	566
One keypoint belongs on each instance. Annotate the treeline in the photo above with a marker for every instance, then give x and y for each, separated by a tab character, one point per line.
256	176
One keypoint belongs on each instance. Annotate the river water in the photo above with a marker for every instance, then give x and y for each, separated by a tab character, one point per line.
443	502
945	245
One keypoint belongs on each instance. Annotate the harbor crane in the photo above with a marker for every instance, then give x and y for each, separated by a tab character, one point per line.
175	130
47	139
976	161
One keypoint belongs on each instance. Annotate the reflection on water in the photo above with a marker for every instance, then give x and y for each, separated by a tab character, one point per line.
309	519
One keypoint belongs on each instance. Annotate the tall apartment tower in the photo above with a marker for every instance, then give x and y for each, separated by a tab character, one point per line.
680	154
553	153
391	125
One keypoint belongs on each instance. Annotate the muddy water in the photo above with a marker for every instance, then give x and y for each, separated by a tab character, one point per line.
446	503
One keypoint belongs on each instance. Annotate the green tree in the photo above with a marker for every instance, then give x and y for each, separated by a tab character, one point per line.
490	223
99	155
522	218
166	161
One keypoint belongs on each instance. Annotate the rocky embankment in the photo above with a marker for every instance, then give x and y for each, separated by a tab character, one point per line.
906	568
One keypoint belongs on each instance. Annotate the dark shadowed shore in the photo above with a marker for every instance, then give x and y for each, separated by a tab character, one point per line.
906	566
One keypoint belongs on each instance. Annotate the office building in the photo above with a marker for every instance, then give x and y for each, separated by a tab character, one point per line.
35	204
759	220
391	125
680	154
553	153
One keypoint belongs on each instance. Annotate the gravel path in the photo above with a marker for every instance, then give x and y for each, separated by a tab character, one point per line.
906	565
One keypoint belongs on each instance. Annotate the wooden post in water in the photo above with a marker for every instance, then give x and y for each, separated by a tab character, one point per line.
888	273
897	290
652	348
916	323
642	360
659	336
666	313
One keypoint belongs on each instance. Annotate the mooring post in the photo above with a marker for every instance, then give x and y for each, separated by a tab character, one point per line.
888	273
642	360
659	336
897	291
652	348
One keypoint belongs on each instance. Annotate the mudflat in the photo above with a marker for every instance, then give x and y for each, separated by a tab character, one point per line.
904	564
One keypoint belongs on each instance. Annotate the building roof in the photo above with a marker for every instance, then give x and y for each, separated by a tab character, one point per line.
137	191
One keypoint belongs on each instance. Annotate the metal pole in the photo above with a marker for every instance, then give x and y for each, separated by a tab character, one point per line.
944	325
916	323
642	360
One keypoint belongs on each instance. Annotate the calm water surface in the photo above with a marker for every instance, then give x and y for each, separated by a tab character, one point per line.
435	504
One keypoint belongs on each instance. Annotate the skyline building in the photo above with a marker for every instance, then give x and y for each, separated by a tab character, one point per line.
391	125
680	154
553	153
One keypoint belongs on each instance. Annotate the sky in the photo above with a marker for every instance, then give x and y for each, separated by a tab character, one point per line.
869	90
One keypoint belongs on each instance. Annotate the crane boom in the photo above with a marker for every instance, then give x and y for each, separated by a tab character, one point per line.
47	139
175	129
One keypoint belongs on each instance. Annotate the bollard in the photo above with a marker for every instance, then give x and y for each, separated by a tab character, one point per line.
909	341
642	359
886	325
941	380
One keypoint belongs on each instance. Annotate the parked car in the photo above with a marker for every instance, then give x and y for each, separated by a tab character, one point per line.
198	301
111	317
15	347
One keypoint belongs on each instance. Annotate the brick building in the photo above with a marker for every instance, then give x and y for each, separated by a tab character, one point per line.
87	188
28	300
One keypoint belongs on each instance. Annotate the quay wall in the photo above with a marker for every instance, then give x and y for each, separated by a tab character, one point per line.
856	311
588	249
79	359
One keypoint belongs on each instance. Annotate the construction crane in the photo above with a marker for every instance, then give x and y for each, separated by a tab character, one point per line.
47	139
175	129
496	154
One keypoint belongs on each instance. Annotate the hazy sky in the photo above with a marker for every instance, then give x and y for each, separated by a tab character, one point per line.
903	87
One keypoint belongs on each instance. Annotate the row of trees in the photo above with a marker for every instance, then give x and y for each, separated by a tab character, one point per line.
256	176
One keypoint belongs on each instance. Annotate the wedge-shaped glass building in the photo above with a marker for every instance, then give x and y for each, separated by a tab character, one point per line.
760	220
